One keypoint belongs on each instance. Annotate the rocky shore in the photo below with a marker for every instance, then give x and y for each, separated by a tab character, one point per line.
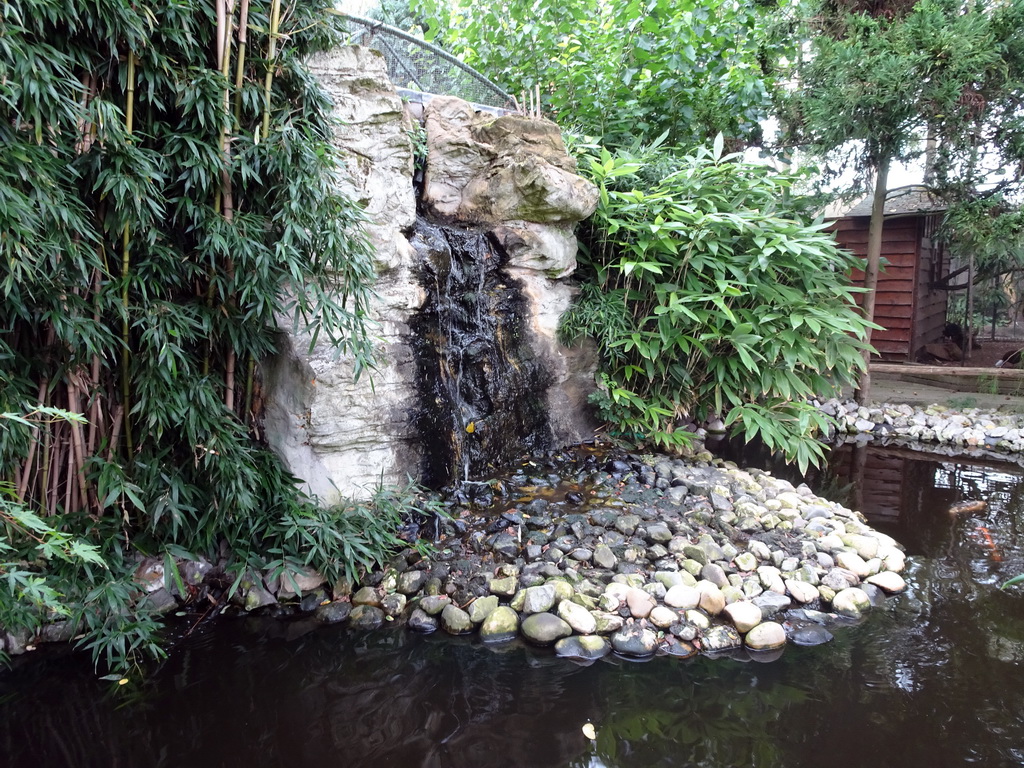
970	428
595	553
639	556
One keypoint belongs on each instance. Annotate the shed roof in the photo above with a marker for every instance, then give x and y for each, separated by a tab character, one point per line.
915	198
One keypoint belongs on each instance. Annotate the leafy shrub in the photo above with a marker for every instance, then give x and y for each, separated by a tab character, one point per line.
712	295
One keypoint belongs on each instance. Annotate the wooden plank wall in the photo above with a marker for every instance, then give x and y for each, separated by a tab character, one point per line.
897	283
930	316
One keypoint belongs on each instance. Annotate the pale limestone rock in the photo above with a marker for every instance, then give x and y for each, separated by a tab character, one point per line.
744	614
577	617
487	169
888	581
766	637
339	435
852	602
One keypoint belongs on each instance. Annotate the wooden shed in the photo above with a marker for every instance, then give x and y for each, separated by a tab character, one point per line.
911	312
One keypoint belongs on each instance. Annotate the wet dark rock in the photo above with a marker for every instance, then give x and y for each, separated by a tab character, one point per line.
617	468
411	582
310	601
545	628
505	544
456	621
634	639
586	647
365	617
420	621
433	605
810	634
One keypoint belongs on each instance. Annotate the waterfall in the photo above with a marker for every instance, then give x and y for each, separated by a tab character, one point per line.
481	387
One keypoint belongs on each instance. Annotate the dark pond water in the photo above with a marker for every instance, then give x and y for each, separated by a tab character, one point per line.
934	679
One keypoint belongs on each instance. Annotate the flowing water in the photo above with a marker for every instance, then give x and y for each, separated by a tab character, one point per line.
936	678
481	387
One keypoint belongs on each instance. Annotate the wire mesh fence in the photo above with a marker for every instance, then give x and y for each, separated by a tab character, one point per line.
417	65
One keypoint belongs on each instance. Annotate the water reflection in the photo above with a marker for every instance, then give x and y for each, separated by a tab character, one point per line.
933	678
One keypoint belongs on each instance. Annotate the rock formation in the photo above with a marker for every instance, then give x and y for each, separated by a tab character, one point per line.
509	175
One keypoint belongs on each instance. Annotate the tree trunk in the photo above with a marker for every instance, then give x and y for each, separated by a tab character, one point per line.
863	392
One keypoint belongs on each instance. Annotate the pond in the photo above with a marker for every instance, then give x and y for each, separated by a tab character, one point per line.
933	678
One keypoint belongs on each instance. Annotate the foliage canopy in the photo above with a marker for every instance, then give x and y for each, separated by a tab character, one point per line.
625	71
712	294
167	191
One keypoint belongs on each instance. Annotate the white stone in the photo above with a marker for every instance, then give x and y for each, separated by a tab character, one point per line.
744	614
766	636
682	597
576	616
852	602
851	561
888	581
801	591
663	617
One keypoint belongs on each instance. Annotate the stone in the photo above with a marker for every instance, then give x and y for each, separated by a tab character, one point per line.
576	616
715	574
393	605
504	587
432	605
854	563
299	581
538	599
744	615
712	601
258	596
366	596
626	524
640	603
544	628
888	582
421	621
765	637
604	557
501	625
635	640
745	561
411	582
663	617
802	591
456	621
608	623
481	608
720	638
852	602
365	617
586	647
484	169
772	603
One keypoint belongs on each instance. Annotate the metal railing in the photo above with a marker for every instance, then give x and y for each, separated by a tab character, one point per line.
417	65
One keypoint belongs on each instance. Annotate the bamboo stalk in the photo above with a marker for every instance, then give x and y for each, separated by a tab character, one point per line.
77	443
44	468
125	269
69	486
26	470
249	376
243	32
95	421
268	83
